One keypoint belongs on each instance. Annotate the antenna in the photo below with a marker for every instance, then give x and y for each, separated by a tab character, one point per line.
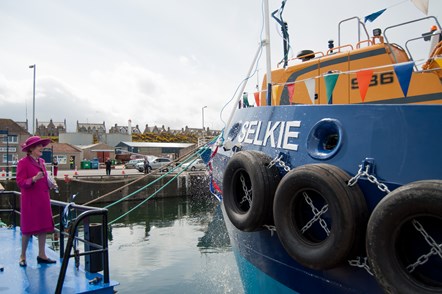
284	30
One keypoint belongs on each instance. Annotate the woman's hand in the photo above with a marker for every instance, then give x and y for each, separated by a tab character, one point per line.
38	176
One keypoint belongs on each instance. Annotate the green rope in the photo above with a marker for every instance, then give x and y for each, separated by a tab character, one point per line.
193	158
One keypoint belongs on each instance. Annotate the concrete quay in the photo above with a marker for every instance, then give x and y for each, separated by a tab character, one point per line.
117	171
91	184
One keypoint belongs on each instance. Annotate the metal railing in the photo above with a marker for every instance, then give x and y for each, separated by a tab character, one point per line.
83	218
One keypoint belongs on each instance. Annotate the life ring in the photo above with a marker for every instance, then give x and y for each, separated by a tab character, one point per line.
249	187
399	233
320	220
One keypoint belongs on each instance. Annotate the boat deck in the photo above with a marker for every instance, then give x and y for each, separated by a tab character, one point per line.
42	278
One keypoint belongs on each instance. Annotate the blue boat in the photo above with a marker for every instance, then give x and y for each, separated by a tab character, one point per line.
332	182
77	270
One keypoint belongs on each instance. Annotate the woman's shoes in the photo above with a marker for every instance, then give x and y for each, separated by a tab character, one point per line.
42	260
22	263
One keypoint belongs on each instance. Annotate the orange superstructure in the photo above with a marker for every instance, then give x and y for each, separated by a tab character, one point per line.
372	71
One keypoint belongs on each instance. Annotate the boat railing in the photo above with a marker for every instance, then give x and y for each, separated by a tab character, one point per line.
360	25
85	213
331	50
386	30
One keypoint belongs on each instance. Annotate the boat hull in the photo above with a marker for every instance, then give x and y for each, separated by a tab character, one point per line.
265	267
399	142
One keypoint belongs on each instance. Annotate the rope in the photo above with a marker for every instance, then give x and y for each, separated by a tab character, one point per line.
194	156
141	178
191	157
256	64
151	183
185	157
144	201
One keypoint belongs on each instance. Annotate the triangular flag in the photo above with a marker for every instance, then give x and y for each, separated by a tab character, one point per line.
373	16
310	84
364	78
330	83
256	94
276	94
403	72
245	99
291	89
439	62
206	155
422	5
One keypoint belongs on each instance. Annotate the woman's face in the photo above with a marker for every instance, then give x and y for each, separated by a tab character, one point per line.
36	150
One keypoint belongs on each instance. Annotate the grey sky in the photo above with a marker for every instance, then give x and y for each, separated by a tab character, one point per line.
154	62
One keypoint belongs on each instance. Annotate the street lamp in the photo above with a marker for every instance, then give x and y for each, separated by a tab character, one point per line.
33	100
202	112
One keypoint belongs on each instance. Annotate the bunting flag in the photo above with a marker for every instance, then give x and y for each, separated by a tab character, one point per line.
245	100
276	94
439	62
373	16
206	155
264	100
256	94
330	83
364	78
311	84
291	89
215	189
403	72
422	5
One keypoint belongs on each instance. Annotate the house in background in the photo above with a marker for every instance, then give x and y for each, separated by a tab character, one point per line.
97	130
50	128
23	124
154	129
101	151
124	129
68	156
12	135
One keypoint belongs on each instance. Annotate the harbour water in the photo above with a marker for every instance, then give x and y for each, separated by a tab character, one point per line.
172	245
168	244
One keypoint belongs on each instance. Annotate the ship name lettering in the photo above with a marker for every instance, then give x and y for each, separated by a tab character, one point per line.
279	134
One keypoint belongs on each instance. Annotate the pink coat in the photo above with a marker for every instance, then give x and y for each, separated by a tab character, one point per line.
36	213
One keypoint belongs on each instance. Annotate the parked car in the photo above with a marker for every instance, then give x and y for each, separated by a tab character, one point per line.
132	163
196	165
155	164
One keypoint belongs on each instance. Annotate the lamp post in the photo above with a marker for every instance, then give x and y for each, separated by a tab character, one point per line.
202	113
33	100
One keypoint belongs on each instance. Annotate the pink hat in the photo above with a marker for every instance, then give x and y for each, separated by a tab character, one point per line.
34	140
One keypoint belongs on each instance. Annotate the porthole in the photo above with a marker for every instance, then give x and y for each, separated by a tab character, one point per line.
324	139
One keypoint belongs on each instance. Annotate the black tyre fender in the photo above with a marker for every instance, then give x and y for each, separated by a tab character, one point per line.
345	218
249	170
394	243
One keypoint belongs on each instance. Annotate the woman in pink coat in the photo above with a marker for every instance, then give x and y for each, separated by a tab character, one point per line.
36	213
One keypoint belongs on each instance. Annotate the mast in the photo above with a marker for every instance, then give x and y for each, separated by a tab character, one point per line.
267	44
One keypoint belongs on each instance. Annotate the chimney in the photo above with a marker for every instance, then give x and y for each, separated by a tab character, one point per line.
129	127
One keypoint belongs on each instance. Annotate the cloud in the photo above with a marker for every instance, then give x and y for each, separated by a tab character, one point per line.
143	60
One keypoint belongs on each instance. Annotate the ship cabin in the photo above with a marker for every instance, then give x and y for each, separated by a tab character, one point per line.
373	70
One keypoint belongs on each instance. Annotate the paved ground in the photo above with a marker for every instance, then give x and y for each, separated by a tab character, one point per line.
118	170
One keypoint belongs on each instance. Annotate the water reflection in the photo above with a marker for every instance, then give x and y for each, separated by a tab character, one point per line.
172	245
169	245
